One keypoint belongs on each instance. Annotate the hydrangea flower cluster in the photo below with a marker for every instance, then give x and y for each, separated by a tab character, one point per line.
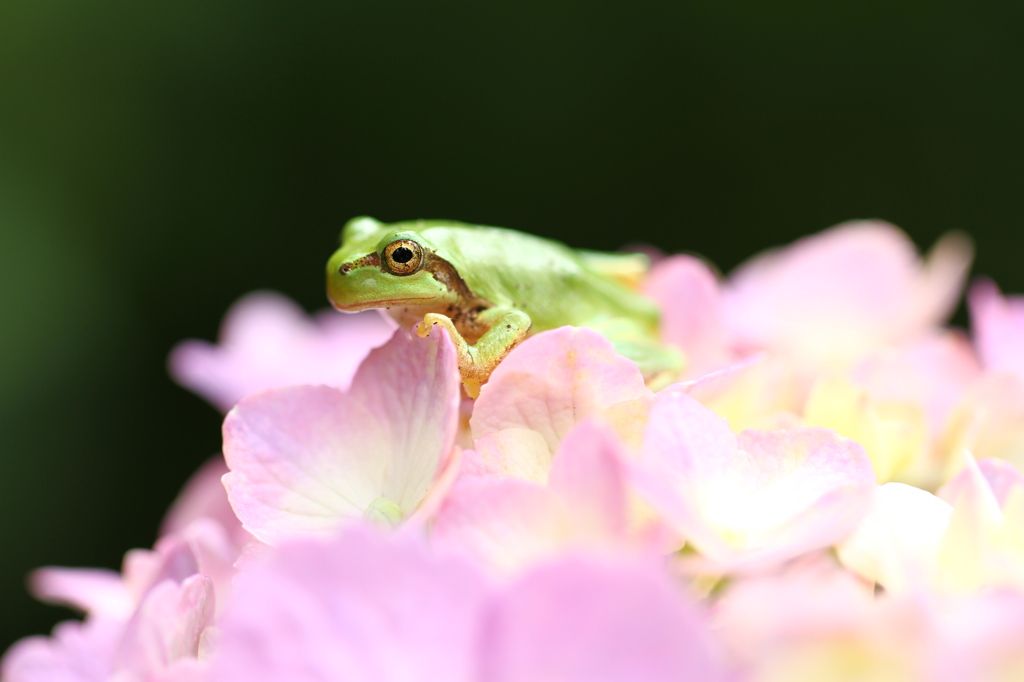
832	491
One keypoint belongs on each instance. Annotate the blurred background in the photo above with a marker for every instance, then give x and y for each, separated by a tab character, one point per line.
159	160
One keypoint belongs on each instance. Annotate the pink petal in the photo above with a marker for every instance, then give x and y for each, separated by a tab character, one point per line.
682	440
686	290
171	559
589	475
1002	477
304	459
897	543
184	670
972	554
193	549
760	391
933	372
508	522
838	294
941	284
762	497
980	639
504	522
203	496
268	341
580	620
359	607
812	625
554	380
166	627
760	617
215	554
987	479
96	591
989	420
517	452
77	652
818	484
998	326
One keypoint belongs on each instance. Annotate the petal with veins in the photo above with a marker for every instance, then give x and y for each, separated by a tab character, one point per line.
305	458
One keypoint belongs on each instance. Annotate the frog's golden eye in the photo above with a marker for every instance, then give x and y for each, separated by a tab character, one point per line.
403	257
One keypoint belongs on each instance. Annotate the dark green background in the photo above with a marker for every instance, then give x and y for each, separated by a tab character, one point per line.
158	160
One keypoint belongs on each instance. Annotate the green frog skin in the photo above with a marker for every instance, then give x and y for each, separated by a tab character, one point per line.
490	287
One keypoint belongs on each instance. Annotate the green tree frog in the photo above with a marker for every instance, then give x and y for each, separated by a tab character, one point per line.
490	287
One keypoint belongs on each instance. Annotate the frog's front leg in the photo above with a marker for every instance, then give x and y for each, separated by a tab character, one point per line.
506	328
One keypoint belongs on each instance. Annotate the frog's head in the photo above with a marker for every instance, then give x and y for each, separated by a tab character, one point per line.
378	266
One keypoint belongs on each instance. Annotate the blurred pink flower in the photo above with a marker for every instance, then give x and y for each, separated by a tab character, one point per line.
145	624
998	325
204	496
834	296
687	291
202	547
978	639
363	606
987	422
761	391
75	652
304	459
754	499
969	537
897	542
984	543
268	341
931	372
897	403
813	622
164	632
140	625
986	477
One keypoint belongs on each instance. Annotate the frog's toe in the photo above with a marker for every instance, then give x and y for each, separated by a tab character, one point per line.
472	388
429	320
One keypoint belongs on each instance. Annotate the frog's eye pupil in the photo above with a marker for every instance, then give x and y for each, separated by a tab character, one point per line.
403	257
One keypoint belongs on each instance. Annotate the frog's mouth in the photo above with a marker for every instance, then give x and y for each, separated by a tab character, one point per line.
383	303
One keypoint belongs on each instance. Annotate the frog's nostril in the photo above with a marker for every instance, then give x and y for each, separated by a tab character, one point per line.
345	268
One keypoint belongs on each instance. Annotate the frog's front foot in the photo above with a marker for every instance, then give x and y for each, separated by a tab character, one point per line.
476	362
471	378
430	319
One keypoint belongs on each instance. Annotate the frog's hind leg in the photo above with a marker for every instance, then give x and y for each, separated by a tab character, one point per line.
476	362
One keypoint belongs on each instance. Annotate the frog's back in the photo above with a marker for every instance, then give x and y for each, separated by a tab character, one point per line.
549	281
